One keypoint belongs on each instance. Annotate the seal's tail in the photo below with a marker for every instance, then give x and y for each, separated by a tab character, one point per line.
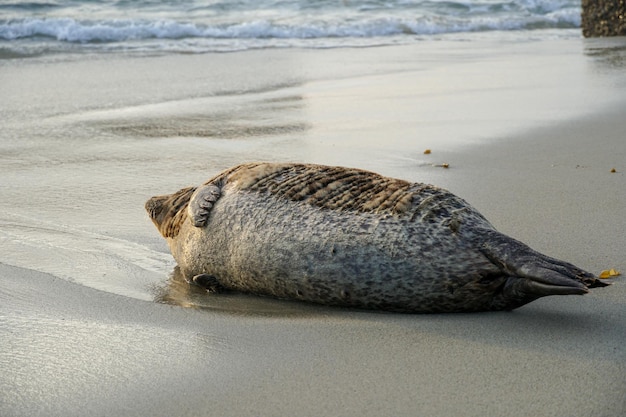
532	275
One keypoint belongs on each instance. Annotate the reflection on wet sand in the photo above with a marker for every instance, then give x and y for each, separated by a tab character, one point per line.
177	291
609	53
274	115
204	127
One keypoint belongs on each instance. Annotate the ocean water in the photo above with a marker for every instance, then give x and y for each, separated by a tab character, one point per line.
36	27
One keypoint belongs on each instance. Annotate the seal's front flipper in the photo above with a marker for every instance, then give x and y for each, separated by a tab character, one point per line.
202	202
208	282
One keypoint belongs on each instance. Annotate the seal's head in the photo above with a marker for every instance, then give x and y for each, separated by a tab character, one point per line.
168	212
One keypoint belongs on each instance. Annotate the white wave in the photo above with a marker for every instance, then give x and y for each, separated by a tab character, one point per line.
103	31
66	29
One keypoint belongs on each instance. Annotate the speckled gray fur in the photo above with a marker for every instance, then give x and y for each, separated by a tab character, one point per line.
348	237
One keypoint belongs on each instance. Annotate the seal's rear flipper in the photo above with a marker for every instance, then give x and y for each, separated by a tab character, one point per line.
202	202
531	274
518	291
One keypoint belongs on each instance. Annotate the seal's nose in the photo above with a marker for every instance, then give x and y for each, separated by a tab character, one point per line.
154	207
168	212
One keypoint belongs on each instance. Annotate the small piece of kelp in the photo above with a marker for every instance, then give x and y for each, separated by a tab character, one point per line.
609	273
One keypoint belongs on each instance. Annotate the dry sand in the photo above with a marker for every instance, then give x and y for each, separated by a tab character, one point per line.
90	324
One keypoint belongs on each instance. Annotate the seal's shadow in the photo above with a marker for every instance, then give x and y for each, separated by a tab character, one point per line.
555	320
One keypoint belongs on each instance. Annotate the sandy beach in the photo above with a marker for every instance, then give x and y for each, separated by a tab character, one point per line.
94	321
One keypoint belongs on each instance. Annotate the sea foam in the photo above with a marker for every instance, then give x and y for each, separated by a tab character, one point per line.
119	30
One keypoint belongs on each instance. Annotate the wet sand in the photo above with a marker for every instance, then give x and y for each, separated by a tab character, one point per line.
93	323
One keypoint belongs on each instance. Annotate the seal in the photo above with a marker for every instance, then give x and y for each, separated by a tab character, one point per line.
348	237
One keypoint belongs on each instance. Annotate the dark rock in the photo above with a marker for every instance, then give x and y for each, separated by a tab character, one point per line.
604	18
